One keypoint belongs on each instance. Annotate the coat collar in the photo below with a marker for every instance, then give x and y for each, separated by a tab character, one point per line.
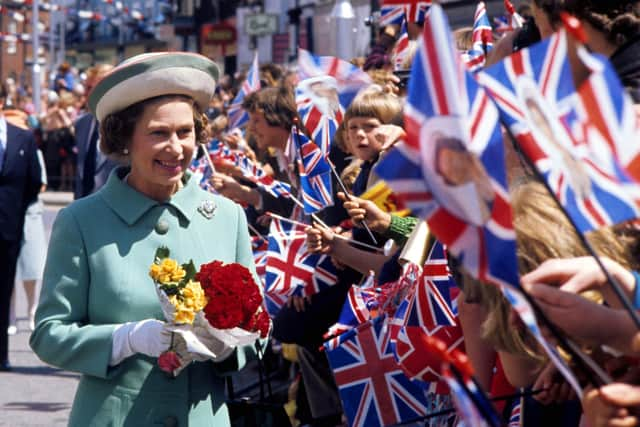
130	204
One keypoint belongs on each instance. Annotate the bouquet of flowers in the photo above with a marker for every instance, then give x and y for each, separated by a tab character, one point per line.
212	310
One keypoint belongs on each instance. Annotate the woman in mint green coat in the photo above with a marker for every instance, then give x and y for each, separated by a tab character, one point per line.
98	313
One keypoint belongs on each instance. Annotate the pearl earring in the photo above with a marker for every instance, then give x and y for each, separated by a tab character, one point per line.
125	151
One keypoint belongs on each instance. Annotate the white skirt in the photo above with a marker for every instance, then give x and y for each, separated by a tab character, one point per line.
34	244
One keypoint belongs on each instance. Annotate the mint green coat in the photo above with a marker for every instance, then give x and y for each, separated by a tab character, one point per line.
96	276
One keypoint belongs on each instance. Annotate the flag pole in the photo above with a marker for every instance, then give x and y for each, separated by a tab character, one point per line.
206	155
335	173
336	235
348	196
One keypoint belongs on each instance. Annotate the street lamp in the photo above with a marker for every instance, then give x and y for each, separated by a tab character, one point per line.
344	17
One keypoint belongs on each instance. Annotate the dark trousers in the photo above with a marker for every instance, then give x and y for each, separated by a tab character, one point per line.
9	251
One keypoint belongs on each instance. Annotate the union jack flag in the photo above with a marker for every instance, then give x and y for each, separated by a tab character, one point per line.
482	39
272	302
373	389
349	78
256	174
446	107
392	12
581	140
429	311
319	109
291	269
203	168
515	419
400	50
315	174
237	116
221	153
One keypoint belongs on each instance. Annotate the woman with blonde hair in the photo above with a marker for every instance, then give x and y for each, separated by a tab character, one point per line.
542	234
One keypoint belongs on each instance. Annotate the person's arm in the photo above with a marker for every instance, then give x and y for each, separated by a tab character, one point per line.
260	199
576	275
384	223
62	337
323	240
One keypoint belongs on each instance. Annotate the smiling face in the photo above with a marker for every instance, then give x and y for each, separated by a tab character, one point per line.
361	137
161	147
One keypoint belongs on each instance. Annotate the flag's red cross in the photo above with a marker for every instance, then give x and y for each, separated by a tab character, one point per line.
374	369
290	268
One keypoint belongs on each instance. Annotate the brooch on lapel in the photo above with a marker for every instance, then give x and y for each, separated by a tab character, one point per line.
207	208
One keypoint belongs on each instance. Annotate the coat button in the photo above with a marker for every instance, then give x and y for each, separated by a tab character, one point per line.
171	421
162	227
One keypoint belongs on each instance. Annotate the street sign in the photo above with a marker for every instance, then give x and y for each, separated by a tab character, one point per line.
261	24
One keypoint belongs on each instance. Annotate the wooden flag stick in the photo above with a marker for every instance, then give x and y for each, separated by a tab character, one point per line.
336	235
209	161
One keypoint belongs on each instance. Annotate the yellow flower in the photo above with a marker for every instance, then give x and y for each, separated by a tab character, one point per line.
155	271
167	271
194	296
184	315
190	300
168	265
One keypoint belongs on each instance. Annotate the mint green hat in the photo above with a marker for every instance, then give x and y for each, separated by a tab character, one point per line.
154	74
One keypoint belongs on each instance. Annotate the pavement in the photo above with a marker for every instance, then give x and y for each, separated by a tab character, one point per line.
35	394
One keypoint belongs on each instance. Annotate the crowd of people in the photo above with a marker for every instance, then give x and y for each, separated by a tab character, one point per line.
130	142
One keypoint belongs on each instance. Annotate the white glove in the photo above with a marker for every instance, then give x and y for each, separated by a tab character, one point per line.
149	337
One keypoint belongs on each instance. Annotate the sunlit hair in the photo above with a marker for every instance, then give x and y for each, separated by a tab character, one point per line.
276	103
463	38
116	130
350	173
542	233
374	103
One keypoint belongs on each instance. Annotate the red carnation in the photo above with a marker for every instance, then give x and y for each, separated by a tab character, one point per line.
234	297
224	312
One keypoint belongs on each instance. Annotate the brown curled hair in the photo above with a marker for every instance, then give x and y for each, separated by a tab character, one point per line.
116	130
